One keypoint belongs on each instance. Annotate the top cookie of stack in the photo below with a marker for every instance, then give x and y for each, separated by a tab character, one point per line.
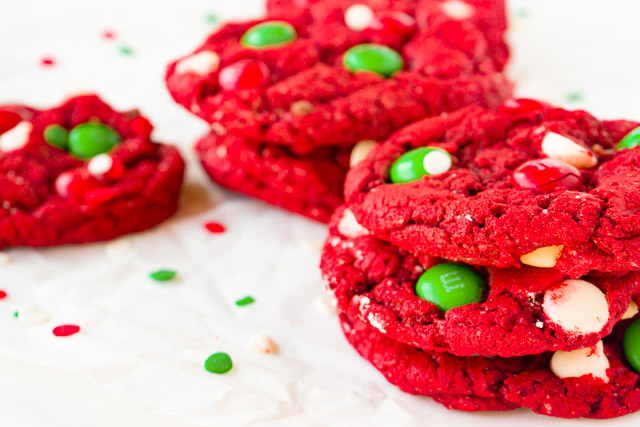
296	79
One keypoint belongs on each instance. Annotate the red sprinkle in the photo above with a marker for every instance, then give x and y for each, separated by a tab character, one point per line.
214	227
3	294
66	330
48	62
109	35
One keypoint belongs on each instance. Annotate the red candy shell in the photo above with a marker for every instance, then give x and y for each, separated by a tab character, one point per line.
245	74
8	120
546	175
392	23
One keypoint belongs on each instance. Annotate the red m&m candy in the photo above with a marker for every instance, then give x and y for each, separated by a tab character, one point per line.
520	108
392	23
8	120
245	74
74	184
546	175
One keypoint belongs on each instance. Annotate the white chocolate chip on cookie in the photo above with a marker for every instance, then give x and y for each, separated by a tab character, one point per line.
576	306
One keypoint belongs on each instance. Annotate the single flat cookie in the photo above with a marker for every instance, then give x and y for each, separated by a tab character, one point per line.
439	306
80	173
528	185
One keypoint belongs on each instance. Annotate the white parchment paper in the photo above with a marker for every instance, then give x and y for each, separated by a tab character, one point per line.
138	360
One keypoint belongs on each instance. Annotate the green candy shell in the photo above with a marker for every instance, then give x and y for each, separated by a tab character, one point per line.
57	136
373	58
269	34
90	139
631	140
450	285
631	343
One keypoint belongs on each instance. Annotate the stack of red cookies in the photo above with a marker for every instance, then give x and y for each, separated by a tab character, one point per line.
490	260
295	99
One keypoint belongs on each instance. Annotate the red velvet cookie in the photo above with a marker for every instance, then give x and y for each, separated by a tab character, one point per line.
487	15
309	184
515	312
594	382
530	184
80	173
323	83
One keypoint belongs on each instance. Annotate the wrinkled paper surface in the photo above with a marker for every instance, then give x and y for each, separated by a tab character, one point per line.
139	358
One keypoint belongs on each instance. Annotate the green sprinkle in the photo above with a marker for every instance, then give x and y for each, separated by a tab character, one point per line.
218	363
15	314
162	275
245	301
126	50
212	18
523	12
575	97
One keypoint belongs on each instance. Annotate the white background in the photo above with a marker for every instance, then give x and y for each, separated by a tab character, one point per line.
138	360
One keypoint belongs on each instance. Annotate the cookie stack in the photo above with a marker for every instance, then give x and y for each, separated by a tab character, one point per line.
490	260
296	98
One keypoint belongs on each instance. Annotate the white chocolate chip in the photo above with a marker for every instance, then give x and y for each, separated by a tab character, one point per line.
119	246
5	258
100	164
16	137
358	17
201	63
33	316
576	306
361	151
261	343
349	226
457	9
437	162
631	312
559	147
578	363
545	257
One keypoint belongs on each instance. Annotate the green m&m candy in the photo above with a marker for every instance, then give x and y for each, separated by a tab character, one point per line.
269	34
450	285
417	163
374	58
57	136
632	139
90	139
631	343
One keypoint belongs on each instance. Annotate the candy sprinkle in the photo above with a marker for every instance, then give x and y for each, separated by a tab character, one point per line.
108	35
162	275
66	330
47	62
211	18
215	227
574	97
218	363
3	294
245	301
125	50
